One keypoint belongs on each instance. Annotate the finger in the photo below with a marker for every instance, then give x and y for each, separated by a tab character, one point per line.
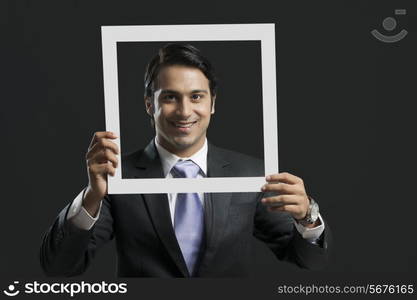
100	145
103	157
294	210
284	177
102	169
281	200
101	134
282	188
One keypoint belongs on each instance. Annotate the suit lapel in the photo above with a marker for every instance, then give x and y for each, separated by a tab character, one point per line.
216	204
158	208
149	165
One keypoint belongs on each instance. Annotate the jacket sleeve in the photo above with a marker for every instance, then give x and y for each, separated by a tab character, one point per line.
277	230
67	250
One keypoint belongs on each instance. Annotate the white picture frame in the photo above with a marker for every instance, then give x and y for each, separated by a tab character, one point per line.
265	33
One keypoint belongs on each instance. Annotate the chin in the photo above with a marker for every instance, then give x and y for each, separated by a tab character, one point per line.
183	143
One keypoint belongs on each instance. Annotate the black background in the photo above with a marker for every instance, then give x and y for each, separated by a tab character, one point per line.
345	116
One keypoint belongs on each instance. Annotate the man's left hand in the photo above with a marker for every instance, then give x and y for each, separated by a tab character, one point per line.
292	196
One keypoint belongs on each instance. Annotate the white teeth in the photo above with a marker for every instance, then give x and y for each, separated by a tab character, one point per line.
188	125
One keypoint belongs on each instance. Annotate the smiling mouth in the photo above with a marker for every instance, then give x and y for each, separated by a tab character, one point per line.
183	124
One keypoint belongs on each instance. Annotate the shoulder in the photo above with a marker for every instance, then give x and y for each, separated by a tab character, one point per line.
132	157
141	156
243	164
129	161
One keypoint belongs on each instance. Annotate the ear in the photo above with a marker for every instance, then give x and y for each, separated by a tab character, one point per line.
213	104
149	106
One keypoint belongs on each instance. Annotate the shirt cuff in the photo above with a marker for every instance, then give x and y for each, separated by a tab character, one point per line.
310	234
79	216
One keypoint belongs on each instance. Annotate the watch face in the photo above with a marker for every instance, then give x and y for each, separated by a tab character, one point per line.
314	211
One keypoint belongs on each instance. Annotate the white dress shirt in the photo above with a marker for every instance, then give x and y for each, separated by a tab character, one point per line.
83	220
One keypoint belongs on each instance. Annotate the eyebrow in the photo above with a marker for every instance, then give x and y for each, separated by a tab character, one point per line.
176	92
199	91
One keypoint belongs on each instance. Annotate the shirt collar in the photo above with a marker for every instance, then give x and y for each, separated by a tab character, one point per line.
169	159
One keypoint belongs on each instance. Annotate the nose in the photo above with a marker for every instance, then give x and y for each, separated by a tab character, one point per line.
184	108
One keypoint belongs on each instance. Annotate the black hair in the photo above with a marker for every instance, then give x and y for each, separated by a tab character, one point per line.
178	54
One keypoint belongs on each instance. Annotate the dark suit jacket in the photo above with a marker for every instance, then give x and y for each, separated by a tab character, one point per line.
144	235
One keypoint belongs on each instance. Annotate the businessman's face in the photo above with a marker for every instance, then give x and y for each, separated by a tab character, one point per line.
181	108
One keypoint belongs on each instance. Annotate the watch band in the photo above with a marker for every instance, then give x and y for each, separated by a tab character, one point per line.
312	213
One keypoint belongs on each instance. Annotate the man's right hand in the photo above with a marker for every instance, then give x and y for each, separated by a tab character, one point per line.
101	160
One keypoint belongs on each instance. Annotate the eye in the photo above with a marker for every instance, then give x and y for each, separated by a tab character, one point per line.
169	97
197	97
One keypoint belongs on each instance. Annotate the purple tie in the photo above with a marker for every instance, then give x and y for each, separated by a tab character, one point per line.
189	216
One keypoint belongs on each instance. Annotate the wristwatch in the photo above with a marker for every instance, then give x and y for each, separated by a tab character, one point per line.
312	213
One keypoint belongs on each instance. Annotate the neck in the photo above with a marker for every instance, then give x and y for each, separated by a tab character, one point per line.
182	152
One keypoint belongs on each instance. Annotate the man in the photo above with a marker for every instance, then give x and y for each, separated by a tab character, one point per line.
183	235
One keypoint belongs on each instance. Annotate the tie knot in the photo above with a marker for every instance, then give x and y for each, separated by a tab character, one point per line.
185	169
